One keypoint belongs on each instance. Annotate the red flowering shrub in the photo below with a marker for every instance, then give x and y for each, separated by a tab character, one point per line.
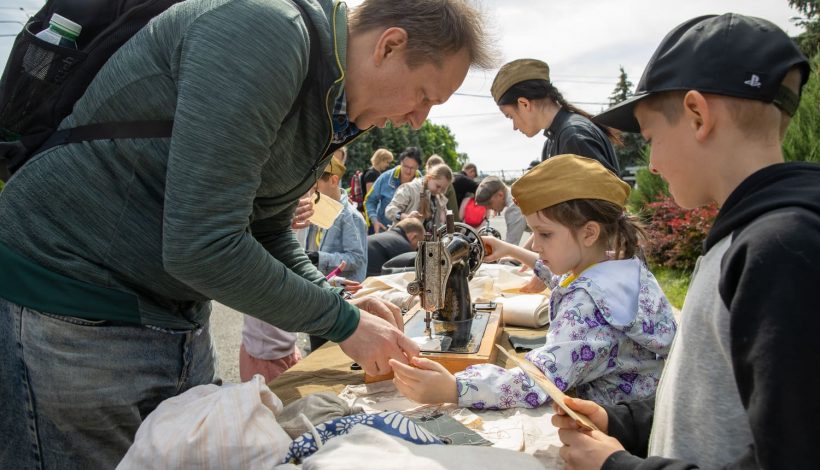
676	235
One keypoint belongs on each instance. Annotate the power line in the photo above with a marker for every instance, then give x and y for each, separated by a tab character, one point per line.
476	95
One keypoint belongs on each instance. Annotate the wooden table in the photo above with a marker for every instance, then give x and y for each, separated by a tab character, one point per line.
328	369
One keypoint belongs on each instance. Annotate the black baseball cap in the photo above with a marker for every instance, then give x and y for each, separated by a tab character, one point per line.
730	54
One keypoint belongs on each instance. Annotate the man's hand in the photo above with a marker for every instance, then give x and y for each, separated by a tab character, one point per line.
414	214
378	307
425	381
303	212
378	226
375	342
584	449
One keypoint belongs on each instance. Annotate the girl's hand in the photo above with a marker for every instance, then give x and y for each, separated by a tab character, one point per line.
495	249
533	286
427	382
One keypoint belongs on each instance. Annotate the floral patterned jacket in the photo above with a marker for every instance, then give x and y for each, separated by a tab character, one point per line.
610	332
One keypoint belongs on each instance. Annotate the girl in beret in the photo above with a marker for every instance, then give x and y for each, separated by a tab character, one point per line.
611	325
524	93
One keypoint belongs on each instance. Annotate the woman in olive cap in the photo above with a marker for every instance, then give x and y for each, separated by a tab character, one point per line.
524	93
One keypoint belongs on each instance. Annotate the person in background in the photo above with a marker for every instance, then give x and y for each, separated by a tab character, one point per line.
450	194
524	94
423	198
611	325
402	237
340	154
380	195
494	194
125	242
381	159
346	239
739	387
464	182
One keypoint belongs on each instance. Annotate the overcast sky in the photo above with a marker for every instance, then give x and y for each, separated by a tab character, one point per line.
583	41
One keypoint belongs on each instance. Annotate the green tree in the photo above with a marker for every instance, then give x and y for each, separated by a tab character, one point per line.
802	141
809	41
629	153
622	91
649	187
430	138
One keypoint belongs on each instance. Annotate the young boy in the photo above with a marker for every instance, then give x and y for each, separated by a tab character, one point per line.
739	386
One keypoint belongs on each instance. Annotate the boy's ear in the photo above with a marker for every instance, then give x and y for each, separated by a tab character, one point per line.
699	114
590	233
334	179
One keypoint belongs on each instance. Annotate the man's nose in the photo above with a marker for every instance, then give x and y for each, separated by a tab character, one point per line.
417	117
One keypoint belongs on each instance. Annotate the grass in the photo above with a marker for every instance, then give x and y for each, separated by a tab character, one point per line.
674	283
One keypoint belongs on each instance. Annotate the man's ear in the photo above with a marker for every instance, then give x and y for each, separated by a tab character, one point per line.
391	41
699	114
590	233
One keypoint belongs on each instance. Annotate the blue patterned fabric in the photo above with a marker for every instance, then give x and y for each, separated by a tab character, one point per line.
392	423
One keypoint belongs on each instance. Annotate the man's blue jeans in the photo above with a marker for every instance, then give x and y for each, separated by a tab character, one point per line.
73	392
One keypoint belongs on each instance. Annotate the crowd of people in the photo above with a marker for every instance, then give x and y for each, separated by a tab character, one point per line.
112	249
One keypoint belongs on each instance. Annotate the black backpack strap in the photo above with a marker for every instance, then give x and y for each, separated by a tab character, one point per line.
161	129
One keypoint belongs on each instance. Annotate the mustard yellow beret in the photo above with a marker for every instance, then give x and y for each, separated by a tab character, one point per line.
566	177
518	71
335	167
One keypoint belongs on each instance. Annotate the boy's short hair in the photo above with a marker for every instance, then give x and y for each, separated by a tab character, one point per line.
434	160
411	225
487	189
731	55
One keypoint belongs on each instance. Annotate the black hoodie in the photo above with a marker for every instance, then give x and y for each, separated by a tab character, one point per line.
769	283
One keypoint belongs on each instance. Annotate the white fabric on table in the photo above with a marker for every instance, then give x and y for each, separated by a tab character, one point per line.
367	448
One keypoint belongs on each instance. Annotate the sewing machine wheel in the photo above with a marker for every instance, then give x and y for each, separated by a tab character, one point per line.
489	231
476	245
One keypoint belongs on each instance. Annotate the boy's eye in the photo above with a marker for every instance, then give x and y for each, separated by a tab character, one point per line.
545	234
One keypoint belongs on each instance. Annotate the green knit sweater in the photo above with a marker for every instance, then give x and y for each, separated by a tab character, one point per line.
148	230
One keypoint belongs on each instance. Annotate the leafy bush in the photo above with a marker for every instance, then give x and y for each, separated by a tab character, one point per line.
676	235
802	141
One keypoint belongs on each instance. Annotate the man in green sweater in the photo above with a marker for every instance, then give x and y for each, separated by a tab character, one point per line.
111	250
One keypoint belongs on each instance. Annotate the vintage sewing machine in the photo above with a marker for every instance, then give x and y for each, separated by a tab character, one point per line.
449	327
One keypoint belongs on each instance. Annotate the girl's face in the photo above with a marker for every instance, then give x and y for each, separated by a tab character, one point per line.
523	117
561	248
437	185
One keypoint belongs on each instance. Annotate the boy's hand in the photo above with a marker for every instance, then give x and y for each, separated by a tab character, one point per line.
427	382
583	450
595	412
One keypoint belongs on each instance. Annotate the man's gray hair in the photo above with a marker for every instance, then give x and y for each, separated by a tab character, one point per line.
435	28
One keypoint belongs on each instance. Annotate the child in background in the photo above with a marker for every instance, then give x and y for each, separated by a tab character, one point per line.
423	198
611	325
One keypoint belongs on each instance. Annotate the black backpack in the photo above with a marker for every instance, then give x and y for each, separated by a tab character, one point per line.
42	81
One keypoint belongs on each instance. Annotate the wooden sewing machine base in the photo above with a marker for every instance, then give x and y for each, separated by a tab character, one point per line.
485	351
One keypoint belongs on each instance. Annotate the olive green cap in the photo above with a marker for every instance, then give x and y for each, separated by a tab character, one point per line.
518	71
